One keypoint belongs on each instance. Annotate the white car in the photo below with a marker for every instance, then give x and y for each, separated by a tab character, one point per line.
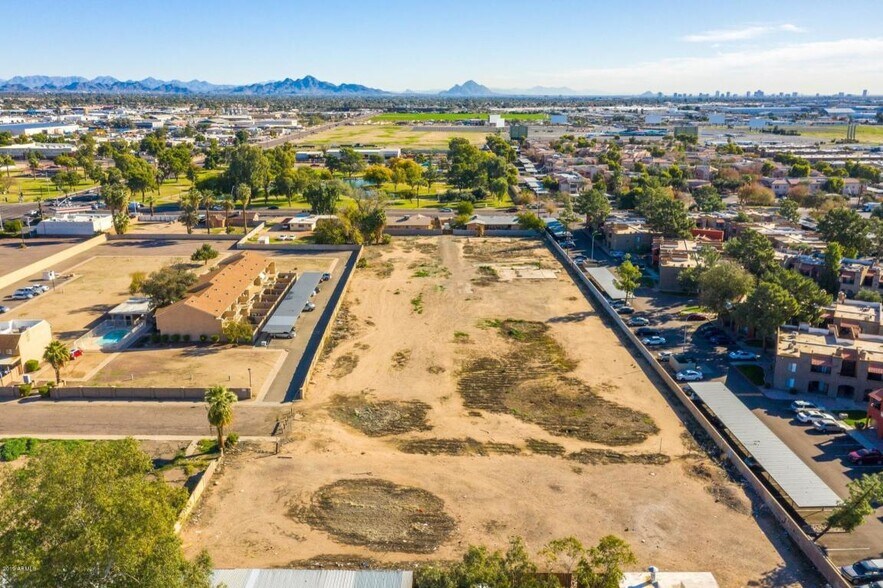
742	355
827	426
655	340
808	416
799	405
689	376
663	355
309	307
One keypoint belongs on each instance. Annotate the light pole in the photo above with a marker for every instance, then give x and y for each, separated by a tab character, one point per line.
594	234
249	380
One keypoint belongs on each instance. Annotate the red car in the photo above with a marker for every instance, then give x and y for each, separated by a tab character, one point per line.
866	457
76	352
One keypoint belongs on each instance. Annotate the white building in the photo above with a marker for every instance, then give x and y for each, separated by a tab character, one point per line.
35	128
495	120
75	225
45	150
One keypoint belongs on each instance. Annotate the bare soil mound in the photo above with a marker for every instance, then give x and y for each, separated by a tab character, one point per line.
380	418
379	515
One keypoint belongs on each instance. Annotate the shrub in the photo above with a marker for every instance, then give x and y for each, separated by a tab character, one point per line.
203	338
185	338
31	365
154	338
362	263
43	391
216	338
24	390
175	338
164	338
231	440
14	448
386	240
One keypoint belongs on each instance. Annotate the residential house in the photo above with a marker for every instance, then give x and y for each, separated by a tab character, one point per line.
412	222
627	233
229	293
493	223
22	340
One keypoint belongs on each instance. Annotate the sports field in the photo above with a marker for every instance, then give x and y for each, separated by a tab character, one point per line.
455	116
389	135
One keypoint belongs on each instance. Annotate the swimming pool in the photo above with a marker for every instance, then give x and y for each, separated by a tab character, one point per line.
112	337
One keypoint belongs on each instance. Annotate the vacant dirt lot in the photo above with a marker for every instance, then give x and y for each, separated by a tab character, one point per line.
419	315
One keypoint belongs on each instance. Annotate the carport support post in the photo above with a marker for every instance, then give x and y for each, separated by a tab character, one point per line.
249	380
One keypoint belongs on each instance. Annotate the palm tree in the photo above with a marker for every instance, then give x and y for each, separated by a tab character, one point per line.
243	194
220	410
227	203
57	355
7	162
206	199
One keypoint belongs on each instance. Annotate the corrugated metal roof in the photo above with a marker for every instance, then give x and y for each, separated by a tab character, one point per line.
282	578
607	281
794	477
287	312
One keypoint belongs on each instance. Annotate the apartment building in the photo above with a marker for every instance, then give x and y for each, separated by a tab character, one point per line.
234	291
858	275
867	317
627	232
837	362
22	340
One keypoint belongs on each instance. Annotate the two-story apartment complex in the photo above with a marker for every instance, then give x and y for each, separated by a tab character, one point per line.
22	340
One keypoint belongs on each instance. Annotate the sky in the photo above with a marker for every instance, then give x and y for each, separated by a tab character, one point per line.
599	47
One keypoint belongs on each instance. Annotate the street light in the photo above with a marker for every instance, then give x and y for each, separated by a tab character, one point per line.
594	234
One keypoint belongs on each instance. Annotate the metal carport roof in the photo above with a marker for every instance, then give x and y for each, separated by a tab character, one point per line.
796	479
287	312
282	578
606	280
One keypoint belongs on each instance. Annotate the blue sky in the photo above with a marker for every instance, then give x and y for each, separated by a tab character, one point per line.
605	47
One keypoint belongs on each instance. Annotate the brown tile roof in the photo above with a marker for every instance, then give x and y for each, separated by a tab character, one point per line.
218	290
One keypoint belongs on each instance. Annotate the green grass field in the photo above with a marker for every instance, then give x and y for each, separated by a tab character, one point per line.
390	135
455	116
32	188
864	133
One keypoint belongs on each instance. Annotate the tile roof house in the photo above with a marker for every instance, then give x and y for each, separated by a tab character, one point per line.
228	293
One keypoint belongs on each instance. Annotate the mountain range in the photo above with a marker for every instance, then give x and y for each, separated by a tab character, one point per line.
305	86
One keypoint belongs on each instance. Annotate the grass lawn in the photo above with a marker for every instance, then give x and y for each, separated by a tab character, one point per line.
389	135
32	188
854	416
864	133
754	373
455	116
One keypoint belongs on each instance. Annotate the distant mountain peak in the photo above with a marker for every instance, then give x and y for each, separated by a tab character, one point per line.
468	88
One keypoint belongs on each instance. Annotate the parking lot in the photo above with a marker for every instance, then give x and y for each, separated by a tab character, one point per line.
825	453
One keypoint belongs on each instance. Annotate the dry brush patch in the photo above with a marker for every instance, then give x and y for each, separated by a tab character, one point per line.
345	327
607	457
344	365
379	515
380	418
529	380
492	250
466	446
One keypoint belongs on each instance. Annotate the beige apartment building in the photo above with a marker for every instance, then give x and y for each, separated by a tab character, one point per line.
231	292
22	340
835	362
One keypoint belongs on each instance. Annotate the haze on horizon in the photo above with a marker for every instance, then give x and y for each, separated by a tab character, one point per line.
592	47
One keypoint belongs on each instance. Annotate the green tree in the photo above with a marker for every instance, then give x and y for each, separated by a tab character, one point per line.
864	493
167	285
323	195
204	253
57	354
566	216
528	221
189	216
220	403
103	518
465	208
706	257
847	227
33	162
867	295
767	308
665	213
809	296
236	332
629	277
350	162
332	231
594	205
788	209
377	175
723	285
755	195
834	184
249	166
754	251
830	275
242	193
136	282
7	162
603	566
708	199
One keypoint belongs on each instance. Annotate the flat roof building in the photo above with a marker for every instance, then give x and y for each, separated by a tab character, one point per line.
22	340
75	225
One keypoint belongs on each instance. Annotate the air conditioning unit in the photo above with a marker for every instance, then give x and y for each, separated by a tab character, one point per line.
27	379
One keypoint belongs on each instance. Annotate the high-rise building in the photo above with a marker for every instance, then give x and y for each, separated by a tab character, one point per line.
864	93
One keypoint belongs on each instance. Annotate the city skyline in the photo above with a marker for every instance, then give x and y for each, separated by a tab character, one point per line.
591	48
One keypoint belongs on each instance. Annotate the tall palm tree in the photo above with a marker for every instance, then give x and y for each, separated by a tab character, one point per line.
57	355
220	402
206	199
227	203
243	194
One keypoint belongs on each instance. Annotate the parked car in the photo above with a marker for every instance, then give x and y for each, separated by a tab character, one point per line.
445	209
325	277
652	341
568	245
76	352
3	309
617	254
689	376
512	209
638	321
580	259
866	456
647	331
742	355
808	416
799	405
663	355
286	335
617	303
865	571
309	307
17	295
696	316
41	288
827	426
625	309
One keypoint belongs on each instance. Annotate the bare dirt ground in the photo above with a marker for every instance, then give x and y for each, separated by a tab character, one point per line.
417	317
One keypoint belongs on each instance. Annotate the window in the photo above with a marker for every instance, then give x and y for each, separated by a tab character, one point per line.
792	367
790	383
847	368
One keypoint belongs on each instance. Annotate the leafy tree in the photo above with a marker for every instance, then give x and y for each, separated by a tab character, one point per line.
723	285
482	567
708	199
629	277
33	162
603	566
500	147
236	332
830	276
706	257
120	223
167	285
594	205
864	493
788	209
323	196
834	184
249	166
137	281
664	213
867	295
204	253
566	216
377	175
220	403
767	308
800	169
465	208
528	221
809	296
755	195
57	355
102	519
847	227
332	231
754	251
